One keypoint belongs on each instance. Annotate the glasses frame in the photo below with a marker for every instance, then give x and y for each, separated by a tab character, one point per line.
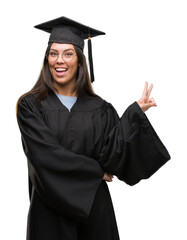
58	54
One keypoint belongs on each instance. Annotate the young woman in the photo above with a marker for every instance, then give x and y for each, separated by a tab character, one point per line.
75	142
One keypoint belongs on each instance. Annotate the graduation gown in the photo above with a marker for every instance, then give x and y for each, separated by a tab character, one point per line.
68	153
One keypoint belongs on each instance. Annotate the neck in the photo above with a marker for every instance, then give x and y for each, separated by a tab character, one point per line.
65	90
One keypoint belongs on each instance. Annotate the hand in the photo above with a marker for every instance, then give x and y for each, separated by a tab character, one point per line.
108	177
145	102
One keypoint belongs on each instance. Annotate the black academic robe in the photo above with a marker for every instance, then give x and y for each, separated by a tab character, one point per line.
68	153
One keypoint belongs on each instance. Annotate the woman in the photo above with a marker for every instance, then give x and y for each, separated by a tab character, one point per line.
75	142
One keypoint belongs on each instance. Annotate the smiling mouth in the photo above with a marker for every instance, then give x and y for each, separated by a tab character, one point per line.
60	70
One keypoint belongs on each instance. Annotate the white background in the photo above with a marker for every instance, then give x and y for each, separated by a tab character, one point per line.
145	41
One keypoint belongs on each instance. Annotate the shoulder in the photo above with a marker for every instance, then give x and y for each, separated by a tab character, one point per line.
99	105
28	98
29	101
89	103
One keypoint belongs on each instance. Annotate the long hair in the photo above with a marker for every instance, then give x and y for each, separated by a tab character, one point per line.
44	84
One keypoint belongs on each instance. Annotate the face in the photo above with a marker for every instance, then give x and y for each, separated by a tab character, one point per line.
63	64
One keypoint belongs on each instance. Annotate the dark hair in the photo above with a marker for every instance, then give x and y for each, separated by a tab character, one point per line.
44	84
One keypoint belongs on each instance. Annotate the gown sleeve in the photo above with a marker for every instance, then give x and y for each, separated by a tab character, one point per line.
65	181
132	149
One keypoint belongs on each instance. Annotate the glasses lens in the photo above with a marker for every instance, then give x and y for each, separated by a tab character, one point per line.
68	56
53	56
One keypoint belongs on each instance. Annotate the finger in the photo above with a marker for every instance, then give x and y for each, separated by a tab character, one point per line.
144	94
109	180
149	105
109	174
149	90
107	177
111	177
152	100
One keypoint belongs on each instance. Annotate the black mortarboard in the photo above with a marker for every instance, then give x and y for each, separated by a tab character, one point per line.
65	30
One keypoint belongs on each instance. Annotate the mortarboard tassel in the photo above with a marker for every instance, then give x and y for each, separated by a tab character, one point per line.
90	59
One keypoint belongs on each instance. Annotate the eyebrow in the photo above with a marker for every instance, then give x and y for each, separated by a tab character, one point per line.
64	50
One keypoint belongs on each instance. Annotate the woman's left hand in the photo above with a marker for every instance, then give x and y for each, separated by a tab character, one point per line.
108	177
145	101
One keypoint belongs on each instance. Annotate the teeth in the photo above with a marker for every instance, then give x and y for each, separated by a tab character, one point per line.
61	69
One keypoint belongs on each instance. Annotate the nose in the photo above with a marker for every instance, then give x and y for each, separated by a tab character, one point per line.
60	58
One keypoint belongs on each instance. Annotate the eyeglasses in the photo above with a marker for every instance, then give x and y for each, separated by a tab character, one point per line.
67	55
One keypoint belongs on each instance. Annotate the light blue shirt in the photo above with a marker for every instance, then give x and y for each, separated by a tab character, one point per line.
67	101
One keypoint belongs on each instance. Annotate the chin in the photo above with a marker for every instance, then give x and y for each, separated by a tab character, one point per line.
63	82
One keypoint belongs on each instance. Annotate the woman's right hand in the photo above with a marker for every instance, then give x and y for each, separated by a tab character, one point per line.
108	177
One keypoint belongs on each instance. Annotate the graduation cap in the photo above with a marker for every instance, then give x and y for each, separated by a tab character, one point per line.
65	30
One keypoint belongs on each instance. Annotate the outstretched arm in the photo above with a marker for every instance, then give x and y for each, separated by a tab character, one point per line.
132	150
